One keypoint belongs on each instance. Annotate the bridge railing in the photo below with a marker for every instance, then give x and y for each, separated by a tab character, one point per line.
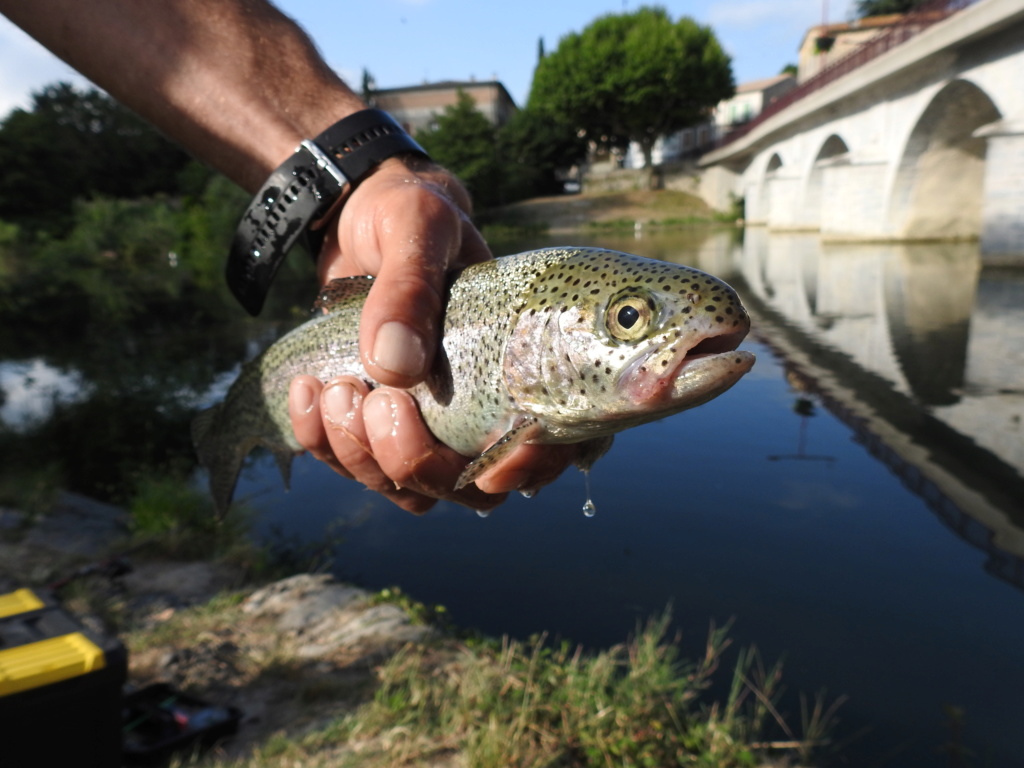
907	27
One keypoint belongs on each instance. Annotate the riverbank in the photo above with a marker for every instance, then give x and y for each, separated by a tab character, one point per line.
605	211
329	674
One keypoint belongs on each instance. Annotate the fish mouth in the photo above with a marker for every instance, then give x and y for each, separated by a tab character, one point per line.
714	345
688	377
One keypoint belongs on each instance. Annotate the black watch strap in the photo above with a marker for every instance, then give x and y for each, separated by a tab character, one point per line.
302	191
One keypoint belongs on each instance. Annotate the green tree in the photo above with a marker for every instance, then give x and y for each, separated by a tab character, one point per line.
867	8
633	77
77	144
466	143
533	151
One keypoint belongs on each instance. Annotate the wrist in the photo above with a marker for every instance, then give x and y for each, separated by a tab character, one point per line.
304	191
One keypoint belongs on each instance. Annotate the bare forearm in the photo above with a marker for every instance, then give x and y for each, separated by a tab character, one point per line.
235	82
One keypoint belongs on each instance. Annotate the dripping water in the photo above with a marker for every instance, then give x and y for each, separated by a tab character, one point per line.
589	508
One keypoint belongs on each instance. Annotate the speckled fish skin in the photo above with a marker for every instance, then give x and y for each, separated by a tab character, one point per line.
560	345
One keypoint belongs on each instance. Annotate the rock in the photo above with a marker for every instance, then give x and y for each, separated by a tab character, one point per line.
299	601
79	527
376	630
11	519
187	583
329	616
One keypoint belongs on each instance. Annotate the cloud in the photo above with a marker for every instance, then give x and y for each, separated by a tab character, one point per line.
25	66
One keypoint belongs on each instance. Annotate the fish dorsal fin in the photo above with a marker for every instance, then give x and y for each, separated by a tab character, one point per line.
523	432
340	292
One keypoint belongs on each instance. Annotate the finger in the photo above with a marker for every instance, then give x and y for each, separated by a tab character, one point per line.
399	326
528	468
341	403
307	423
410	455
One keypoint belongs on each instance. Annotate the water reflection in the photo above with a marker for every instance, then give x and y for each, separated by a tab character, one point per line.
921	352
30	390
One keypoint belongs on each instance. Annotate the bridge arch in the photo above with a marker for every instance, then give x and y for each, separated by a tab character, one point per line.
767	182
758	204
830	152
938	187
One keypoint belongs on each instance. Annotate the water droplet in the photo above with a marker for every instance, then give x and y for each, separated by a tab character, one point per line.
589	508
527	493
483	512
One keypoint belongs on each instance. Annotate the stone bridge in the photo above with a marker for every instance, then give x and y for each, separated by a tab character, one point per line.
925	141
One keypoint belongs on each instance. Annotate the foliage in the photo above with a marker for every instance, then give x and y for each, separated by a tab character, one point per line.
534	149
152	266
465	142
122	258
75	145
865	8
533	704
420	613
632	77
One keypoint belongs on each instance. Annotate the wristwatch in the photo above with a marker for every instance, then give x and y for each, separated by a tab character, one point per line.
303	190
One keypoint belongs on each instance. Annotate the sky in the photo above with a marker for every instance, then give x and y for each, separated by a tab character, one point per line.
409	42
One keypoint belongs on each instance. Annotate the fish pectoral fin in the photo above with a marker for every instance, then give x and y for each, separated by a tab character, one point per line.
589	451
340	292
283	458
523	432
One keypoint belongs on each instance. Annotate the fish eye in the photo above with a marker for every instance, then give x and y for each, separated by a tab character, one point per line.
628	318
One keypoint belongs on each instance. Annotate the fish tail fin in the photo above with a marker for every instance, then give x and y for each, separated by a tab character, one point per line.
221	457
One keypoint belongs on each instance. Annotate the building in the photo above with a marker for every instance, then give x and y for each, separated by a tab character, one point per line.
750	99
827	43
417	107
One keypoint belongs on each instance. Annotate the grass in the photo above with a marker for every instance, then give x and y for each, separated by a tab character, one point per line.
184	626
172	518
533	704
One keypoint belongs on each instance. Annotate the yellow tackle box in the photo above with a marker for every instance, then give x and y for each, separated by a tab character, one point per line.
60	687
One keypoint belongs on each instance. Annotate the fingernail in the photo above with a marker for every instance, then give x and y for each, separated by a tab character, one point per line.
399	349
340	402
304	397
379	417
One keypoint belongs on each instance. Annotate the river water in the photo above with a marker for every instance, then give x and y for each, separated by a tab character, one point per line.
855	505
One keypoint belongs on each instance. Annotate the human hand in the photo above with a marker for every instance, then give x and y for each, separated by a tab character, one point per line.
408	225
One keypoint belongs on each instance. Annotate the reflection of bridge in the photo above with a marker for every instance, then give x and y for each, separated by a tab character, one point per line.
923	141
896	341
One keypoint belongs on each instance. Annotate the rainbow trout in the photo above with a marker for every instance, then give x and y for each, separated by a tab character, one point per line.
561	345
